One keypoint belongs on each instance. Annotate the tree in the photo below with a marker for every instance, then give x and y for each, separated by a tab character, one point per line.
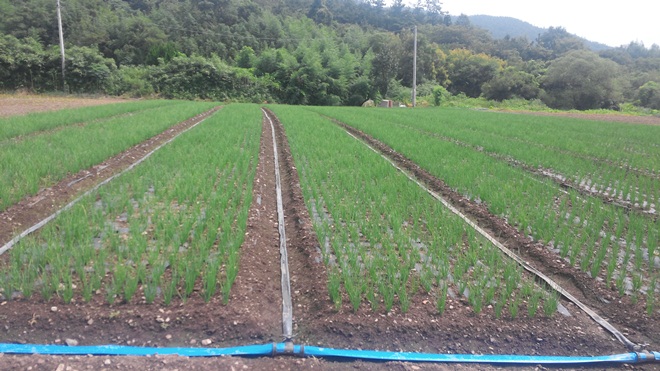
429	11
446	20
22	63
87	71
162	52
511	82
246	58
459	37
469	71
559	42
385	63
463	21
320	13
649	95
582	80
426	59
132	41
267	62
31	19
359	91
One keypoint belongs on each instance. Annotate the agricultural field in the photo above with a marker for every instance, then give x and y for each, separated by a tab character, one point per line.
183	249
38	151
593	205
157	219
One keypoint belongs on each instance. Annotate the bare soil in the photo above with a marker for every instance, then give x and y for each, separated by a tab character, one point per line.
613	117
21	104
253	315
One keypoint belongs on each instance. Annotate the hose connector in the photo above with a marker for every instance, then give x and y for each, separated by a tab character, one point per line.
288	347
647	357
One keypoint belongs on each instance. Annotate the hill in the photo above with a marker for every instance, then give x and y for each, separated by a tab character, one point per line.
500	27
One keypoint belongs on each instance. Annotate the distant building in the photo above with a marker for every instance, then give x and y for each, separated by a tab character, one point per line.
386	103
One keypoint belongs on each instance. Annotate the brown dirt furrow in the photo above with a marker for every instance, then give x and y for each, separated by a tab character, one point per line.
306	269
32	209
629	318
257	293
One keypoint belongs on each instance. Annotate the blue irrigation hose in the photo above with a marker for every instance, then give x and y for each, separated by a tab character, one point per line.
310	351
632	357
121	350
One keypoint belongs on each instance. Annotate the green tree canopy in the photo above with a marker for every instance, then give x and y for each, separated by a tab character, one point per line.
511	82
649	95
469	71
582	80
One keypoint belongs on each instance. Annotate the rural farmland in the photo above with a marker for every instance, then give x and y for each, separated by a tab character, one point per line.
428	230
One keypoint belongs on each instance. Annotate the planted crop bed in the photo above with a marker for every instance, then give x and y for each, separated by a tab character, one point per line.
183	212
183	249
616	246
385	239
612	243
38	161
16	126
392	249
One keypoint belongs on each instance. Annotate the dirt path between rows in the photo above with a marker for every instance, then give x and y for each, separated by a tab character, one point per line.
629	318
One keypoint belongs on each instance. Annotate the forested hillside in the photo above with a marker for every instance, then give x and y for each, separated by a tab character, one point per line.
501	27
316	52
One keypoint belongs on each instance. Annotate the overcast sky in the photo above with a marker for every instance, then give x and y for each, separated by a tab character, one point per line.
610	23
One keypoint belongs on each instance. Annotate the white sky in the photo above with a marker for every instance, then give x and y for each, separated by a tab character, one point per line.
608	22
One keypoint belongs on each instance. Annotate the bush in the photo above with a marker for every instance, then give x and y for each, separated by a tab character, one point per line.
23	64
439	95
197	77
87	71
131	81
649	95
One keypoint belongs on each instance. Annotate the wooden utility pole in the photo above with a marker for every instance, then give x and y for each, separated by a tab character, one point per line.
59	26
414	82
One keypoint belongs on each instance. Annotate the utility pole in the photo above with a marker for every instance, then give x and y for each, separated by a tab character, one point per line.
414	82
59	26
